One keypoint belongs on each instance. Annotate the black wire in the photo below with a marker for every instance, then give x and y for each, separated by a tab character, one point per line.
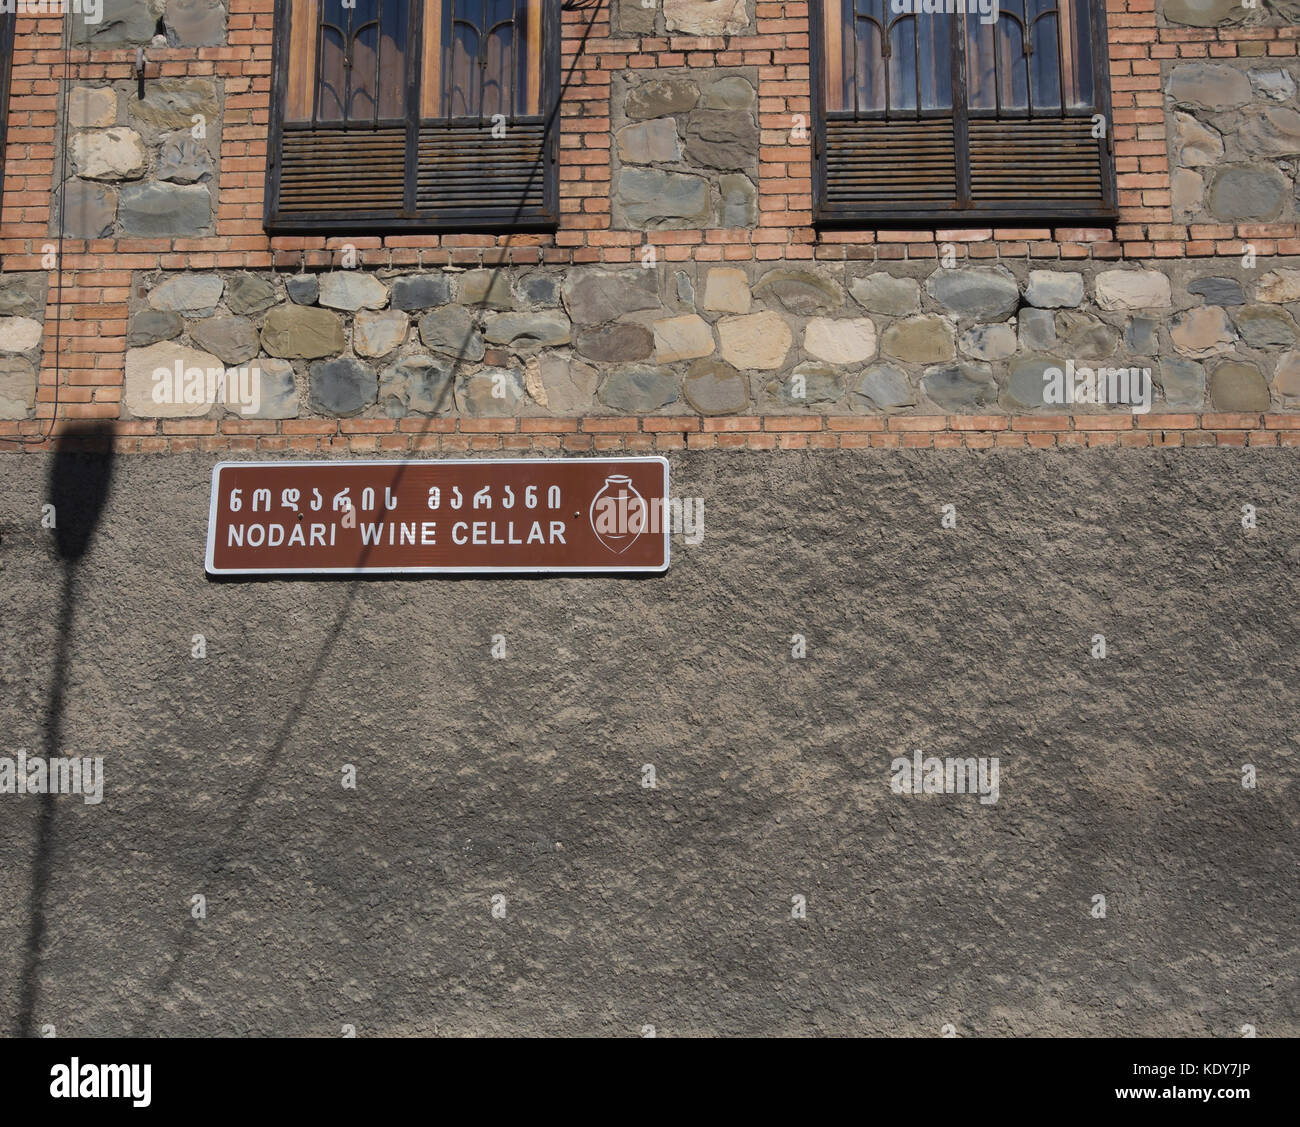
63	196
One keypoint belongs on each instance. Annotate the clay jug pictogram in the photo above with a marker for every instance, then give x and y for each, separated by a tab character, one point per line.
618	514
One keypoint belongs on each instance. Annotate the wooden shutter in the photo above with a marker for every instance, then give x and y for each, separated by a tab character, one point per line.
472	149
997	149
1039	163
883	165
464	170
352	172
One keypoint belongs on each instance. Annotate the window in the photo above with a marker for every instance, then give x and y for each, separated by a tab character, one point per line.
943	118
413	115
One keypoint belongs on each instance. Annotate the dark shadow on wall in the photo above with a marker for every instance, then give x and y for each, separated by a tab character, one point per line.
81	474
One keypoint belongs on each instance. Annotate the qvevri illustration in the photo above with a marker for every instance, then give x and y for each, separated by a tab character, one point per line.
619	514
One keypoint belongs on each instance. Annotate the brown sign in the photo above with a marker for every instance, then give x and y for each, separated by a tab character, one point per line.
511	515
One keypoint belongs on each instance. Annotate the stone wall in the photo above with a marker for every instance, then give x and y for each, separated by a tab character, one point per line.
142	167
718	340
22	316
1228	13
1235	146
686	17
685	150
200	23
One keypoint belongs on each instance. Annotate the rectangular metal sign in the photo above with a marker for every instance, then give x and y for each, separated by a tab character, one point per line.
522	515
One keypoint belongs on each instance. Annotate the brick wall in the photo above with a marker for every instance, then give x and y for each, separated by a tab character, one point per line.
86	306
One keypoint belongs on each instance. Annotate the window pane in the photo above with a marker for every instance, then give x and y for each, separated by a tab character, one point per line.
530	58
499	58
7	21
464	52
902	64
332	89
1076	54
394	27
1013	69
834	43
869	65
489	69
362	68
981	83
301	39
934	47
431	63
1044	62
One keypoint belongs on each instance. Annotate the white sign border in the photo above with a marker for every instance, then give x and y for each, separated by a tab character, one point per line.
210	569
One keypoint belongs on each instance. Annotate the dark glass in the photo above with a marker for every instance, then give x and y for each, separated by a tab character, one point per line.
1078	66
869	78
1044	61
487	68
1013	66
362	68
934	61
981	81
918	71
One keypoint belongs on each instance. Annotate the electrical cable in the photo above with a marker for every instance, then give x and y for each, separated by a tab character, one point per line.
63	194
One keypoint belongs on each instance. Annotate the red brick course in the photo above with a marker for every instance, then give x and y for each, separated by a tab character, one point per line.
654	434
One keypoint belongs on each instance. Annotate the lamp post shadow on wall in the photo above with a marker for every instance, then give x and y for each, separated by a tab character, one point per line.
81	473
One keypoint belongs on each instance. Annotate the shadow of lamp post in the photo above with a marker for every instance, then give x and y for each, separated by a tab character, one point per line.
81	470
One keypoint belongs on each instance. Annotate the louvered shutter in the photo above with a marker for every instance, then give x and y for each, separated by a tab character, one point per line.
1039	163
883	166
344	173
906	136
470	149
465	170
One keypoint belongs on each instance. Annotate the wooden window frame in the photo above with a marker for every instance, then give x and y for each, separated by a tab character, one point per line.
474	217
964	212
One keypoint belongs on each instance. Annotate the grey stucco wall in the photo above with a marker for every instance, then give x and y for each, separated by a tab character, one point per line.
671	907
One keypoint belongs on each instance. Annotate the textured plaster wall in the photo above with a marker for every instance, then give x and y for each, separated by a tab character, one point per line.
627	906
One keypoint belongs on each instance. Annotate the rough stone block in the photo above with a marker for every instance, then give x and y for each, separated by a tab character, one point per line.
153	209
755	341
300	332
342	387
109	154
688	337
639	388
1238	386
193	294
713	387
